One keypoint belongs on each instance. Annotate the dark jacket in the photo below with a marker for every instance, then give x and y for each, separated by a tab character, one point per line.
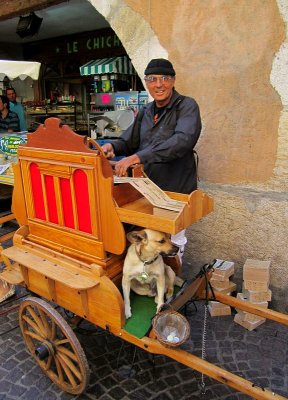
166	148
11	121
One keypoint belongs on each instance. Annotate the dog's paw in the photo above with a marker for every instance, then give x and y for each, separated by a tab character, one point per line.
178	281
159	308
169	293
128	313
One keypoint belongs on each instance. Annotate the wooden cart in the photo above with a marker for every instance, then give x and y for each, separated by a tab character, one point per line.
70	249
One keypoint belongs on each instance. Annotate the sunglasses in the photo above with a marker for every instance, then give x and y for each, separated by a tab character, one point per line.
154	79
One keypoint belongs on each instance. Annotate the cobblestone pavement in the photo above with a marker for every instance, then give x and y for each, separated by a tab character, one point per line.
260	356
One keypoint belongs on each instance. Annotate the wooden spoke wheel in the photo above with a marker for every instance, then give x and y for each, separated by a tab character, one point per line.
53	345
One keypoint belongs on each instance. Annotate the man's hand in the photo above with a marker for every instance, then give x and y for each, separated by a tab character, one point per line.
122	165
108	150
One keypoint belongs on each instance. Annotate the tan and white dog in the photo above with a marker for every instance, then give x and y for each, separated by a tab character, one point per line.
144	270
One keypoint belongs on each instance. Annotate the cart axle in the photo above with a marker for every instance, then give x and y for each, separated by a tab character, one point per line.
44	350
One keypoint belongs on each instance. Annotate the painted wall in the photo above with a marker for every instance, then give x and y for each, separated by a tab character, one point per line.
231	56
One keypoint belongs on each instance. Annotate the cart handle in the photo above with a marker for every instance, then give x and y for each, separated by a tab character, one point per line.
92	143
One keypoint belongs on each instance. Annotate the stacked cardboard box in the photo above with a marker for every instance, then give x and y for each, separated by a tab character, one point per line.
256	275
221	281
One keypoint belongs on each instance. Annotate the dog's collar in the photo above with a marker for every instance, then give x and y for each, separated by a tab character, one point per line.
147	262
150	261
144	275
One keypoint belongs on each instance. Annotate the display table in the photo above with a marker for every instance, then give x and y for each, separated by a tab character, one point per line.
6	215
7	180
8	150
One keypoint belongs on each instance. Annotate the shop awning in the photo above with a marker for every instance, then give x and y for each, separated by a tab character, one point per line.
19	69
116	65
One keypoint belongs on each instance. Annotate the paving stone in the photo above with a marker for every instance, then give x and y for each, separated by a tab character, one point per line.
129	385
220	390
227	359
49	395
117	393
17	390
95	388
21	355
140	394
164	396
242	396
30	378
8	353
33	393
278	372
5	386
14	375
43	383
225	344
10	364
239	345
108	382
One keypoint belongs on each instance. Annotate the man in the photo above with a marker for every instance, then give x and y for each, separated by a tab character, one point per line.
17	108
169	129
9	121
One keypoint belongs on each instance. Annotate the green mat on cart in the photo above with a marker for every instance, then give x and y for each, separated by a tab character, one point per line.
143	310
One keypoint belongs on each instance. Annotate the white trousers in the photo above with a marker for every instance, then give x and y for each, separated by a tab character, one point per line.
180	240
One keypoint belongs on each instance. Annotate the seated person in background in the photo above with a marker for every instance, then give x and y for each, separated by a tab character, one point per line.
17	108
9	121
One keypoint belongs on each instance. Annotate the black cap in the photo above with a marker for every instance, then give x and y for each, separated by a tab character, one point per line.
160	66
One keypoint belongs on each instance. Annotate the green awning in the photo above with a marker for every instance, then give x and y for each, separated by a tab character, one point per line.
116	65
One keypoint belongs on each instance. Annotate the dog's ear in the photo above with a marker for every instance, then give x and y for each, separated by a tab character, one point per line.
136	236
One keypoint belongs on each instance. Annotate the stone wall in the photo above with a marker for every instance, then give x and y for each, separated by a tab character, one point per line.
246	223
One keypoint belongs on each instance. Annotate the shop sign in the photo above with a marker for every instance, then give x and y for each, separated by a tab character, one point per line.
9	144
91	44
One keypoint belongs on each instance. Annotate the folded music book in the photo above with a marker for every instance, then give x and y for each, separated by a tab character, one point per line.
152	192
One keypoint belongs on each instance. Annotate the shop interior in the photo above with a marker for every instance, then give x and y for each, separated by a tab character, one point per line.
98	103
80	101
79	88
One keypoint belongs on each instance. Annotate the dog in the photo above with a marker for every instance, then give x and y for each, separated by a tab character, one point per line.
144	270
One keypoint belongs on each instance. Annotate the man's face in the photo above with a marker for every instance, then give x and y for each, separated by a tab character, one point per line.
160	88
11	95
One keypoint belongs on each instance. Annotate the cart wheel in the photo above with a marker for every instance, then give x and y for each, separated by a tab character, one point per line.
54	345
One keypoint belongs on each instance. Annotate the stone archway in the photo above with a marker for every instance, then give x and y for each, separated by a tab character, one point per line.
134	31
